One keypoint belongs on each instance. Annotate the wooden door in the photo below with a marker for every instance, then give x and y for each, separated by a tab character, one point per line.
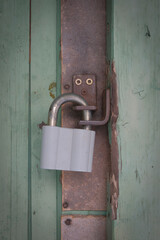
30	67
28	84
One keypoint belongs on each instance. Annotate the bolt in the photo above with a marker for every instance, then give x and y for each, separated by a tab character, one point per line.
68	221
65	204
66	86
83	92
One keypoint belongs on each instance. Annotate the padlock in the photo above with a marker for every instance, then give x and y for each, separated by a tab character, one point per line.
67	149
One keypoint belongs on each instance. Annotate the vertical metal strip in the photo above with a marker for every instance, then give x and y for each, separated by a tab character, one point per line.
83	44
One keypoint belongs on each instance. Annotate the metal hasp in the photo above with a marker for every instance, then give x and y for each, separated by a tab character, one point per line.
83	56
85	85
106	111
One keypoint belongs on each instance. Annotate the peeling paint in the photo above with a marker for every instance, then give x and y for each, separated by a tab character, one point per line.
40	125
114	179
114	182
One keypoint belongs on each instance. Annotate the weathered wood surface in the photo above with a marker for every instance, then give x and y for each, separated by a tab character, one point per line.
27	194
137	63
43	88
14	99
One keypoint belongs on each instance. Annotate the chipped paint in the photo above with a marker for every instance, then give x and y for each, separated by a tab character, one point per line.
40	125
52	89
114	179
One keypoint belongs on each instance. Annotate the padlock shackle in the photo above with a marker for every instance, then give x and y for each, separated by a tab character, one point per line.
64	98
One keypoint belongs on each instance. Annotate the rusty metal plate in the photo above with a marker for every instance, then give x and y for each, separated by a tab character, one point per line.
83	48
83	227
87	191
85	86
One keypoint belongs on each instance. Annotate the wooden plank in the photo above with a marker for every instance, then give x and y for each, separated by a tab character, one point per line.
14	69
137	63
83	52
43	87
83	227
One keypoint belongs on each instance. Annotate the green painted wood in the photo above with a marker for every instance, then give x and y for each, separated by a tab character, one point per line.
58	91
137	61
14	99
43	86
85	213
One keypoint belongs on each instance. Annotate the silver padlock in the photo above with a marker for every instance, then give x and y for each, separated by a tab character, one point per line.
67	148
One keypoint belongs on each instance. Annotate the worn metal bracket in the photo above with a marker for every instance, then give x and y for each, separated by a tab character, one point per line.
83	52
85	86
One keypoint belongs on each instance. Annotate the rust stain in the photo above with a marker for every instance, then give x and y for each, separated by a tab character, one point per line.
52	85
51	88
83	227
80	56
52	95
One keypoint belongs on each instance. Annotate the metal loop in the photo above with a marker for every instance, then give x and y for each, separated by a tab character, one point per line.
68	97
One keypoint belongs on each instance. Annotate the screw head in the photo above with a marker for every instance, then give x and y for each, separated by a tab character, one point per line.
68	221
66	86
65	204
78	81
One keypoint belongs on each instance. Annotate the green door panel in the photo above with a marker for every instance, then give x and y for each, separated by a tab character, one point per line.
43	89
137	63
14	100
27	193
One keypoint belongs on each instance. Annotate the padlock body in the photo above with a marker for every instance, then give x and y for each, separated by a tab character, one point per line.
67	149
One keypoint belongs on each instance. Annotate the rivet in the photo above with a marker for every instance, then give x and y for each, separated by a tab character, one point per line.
68	221
66	86
78	81
83	92
65	204
89	81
